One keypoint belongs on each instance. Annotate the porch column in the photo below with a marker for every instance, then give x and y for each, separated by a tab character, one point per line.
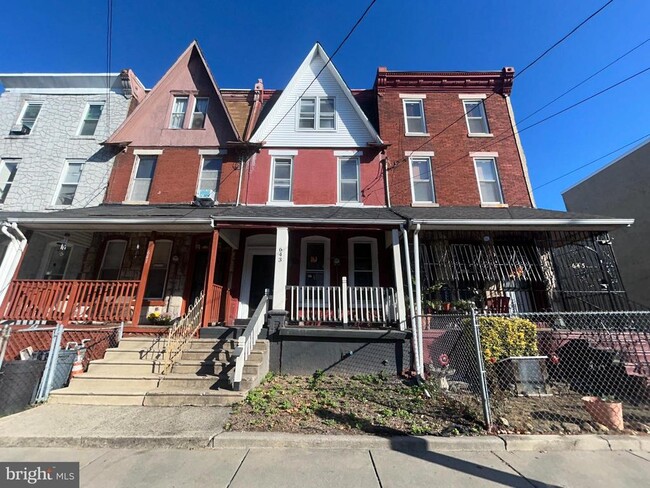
13	258
399	282
280	273
151	245
209	281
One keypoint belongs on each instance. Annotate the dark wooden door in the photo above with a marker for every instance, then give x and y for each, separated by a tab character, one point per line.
261	279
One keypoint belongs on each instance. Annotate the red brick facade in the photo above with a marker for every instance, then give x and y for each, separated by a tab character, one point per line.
453	170
175	178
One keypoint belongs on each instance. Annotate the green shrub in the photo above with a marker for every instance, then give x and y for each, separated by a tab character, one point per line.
503	337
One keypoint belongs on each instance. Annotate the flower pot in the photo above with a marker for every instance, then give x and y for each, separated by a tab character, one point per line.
610	414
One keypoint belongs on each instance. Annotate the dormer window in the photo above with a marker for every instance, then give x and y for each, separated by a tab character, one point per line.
178	112
198	115
317	113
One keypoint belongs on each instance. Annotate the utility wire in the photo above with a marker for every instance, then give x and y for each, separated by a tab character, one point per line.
363	15
525	68
514	133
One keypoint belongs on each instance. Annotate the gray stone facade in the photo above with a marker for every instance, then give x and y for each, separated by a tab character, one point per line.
42	154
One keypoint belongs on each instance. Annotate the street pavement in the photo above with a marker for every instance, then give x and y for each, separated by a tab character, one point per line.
340	467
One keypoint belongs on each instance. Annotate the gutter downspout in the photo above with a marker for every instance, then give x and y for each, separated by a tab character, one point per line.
407	258
385	166
12	257
418	295
241	173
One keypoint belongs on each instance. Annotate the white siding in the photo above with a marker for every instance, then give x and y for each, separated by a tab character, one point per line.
351	131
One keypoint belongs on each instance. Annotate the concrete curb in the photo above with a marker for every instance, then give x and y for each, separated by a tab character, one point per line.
432	443
130	442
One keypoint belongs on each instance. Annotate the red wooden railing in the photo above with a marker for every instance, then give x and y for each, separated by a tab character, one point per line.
70	300
214	307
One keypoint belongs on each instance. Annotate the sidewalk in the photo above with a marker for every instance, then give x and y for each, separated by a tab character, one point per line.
340	468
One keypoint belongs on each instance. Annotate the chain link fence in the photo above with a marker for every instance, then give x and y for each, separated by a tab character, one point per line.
560	372
36	360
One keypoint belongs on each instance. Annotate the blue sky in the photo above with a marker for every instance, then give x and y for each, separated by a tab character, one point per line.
244	41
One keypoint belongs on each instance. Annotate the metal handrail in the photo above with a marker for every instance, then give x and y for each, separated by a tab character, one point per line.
247	341
180	334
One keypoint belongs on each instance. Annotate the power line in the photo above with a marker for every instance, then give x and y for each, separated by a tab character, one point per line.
514	133
584	81
329	60
525	68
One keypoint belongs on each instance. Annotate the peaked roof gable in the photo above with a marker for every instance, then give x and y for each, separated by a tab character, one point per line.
156	104
279	126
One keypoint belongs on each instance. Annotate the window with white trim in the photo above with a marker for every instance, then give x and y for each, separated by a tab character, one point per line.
91	119
8	169
349	180
488	180
141	184
112	260
475	116
314	263
210	174
414	116
68	183
157	278
178	112
317	113
28	116
422	180
281	179
362	257
199	113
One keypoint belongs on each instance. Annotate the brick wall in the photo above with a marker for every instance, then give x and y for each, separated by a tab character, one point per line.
175	178
453	168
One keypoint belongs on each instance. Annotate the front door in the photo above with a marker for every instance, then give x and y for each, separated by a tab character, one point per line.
261	278
198	274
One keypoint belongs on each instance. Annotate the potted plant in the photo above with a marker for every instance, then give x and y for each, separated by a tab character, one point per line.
606	411
157	318
464	305
510	344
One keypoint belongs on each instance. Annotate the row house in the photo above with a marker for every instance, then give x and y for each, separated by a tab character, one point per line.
52	128
458	175
332	201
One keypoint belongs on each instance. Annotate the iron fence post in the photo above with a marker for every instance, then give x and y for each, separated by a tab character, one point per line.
485	395
120	332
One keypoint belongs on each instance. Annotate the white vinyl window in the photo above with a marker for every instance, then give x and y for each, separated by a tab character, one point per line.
281	179
422	180
8	169
199	113
68	183
349	180
488	180
414	116
91	119
157	278
314	263
317	113
362	262
178	112
141	184
112	261
28	117
476	118
210	174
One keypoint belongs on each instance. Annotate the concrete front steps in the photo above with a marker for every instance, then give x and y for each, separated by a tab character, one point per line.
131	375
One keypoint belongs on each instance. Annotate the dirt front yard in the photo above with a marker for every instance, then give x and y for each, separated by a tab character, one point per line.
361	404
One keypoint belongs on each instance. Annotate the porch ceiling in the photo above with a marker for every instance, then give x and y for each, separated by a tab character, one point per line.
510	218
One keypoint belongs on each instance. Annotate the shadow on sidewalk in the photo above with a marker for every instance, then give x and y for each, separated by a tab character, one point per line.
418	448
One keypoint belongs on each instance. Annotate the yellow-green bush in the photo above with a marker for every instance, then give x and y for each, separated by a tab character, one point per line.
503	337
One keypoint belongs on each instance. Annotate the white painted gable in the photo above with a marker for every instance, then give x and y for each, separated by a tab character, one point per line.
279	128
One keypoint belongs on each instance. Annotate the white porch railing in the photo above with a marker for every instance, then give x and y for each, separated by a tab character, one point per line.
247	341
356	304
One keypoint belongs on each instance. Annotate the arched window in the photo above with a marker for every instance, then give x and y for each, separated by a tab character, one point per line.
112	260
362	262
315	261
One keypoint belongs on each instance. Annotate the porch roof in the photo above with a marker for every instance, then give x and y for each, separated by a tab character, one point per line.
117	217
307	215
524	218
